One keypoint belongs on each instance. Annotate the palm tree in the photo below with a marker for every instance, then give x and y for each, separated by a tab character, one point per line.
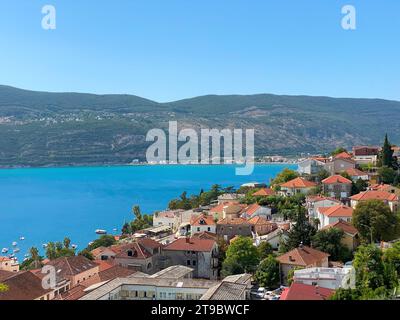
34	253
67	242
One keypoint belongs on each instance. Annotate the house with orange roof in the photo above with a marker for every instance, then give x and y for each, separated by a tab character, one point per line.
203	223
103	253
318	201
255	210
351	237
391	199
356	174
261	226
142	255
301	257
230	207
337	186
230	227
199	254
385	187
329	215
296	186
8	264
343	155
300	291
264	192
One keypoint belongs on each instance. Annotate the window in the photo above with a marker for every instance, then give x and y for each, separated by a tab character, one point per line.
194	263
208	229
188	262
130	253
198	228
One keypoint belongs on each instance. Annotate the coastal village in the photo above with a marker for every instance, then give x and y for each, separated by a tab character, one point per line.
330	230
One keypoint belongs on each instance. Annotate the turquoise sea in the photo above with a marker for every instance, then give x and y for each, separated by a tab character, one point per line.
48	204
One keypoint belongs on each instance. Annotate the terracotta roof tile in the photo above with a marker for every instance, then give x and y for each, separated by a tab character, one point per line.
191	244
343	155
336	211
264	192
202	220
299	291
373	194
336	179
299	183
343	225
302	256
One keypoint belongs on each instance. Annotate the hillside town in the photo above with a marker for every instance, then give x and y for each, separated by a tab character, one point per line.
328	231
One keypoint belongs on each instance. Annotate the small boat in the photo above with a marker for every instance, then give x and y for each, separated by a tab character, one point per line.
11	255
26	255
74	246
115	229
4	250
101	231
25	259
44	245
22	238
14	244
90	243
16	250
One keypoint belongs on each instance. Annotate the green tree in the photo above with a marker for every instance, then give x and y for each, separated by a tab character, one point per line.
346	294
330	241
87	254
264	250
391	256
267	274
241	257
301	232
359	186
105	240
375	222
369	267
387	153
284	176
337	151
386	174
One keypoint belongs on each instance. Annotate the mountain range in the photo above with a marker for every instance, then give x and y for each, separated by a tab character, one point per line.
61	129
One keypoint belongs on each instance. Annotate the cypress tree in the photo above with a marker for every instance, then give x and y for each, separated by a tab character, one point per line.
387	153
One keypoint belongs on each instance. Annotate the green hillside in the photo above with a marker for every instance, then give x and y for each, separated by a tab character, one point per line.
43	129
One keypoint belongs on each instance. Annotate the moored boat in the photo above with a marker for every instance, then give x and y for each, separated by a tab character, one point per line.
101	231
4	250
14	243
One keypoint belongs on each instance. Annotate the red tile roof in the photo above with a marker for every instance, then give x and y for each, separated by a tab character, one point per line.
259	221
203	220
264	192
205	235
373	194
3	259
191	244
302	256
336	179
299	291
343	225
353	172
23	285
343	155
336	211
103	264
299	183
71	266
219	208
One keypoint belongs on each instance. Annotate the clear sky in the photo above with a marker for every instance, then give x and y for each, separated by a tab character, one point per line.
172	49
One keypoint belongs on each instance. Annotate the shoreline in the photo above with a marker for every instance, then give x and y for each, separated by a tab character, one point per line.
139	165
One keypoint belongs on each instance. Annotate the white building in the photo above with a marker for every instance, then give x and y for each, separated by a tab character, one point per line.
330	215
315	202
330	278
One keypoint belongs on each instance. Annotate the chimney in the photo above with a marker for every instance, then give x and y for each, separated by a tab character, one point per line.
187	239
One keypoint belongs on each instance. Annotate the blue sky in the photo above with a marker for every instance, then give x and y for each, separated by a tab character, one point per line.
172	49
